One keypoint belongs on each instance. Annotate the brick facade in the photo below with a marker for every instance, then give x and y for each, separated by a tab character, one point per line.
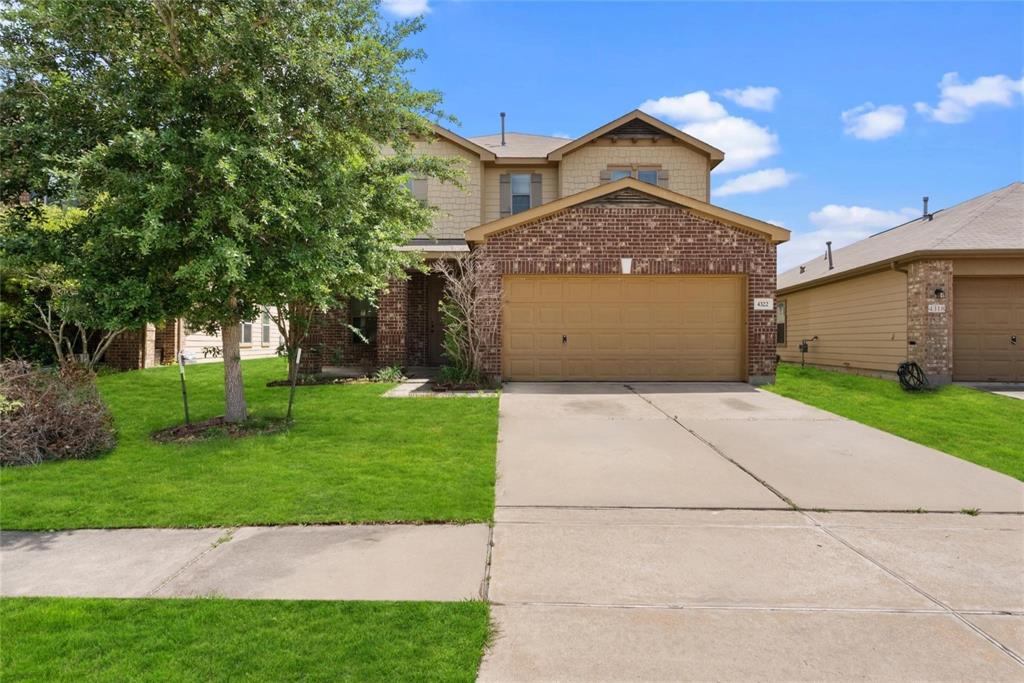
330	342
930	334
591	238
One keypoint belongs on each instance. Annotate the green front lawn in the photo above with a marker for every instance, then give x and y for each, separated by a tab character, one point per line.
74	639
351	456
979	427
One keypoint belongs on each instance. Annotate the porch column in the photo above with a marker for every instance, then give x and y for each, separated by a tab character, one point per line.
393	324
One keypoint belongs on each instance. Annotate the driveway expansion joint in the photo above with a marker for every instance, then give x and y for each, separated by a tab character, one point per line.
674	418
925	594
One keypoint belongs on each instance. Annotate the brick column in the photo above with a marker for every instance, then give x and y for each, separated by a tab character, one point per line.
393	324
328	333
930	333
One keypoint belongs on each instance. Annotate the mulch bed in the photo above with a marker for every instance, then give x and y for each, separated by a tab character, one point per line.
452	386
314	380
216	426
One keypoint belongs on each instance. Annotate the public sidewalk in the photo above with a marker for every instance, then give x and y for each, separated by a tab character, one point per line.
360	562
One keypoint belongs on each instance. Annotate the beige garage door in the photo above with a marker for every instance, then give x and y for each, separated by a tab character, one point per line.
623	328
987	313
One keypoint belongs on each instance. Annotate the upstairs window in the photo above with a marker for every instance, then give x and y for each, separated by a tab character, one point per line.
518	192
418	189
520	185
780	323
363	317
647	175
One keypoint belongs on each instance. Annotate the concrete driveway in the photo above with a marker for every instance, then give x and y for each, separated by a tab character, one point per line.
661	531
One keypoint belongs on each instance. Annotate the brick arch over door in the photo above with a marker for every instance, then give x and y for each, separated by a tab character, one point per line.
590	239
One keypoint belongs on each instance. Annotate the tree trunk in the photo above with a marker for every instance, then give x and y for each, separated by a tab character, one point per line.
234	391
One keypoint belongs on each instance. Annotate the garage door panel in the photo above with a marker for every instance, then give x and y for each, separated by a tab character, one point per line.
987	311
605	315
624	328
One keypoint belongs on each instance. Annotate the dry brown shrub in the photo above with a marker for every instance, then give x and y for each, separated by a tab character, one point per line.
51	414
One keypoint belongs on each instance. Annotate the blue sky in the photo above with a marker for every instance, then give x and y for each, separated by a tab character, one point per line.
932	94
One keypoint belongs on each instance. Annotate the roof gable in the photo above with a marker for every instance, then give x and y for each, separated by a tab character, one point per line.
637	123
483	153
631	191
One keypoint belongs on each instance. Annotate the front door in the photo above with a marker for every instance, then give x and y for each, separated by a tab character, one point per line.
435	330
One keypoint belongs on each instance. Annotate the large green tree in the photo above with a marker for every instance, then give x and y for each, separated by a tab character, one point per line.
255	149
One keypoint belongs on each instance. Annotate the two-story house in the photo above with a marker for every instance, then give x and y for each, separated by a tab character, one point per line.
605	261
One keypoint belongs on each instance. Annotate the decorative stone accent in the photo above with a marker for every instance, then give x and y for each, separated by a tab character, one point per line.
930	332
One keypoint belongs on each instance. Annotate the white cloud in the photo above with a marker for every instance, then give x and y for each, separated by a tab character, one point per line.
744	142
835	216
753	97
694	106
868	122
406	8
842	225
957	100
758	181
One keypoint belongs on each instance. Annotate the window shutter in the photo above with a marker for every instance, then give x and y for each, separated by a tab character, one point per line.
535	195
505	194
606	176
419	189
662	178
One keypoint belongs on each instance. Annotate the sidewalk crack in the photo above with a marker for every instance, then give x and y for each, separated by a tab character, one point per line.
224	538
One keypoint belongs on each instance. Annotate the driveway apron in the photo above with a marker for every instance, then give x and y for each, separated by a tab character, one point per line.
661	531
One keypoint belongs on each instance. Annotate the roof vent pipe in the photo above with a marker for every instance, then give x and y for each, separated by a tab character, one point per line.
502	129
828	254
924	211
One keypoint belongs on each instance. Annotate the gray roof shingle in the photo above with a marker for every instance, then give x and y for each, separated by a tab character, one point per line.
993	221
520	144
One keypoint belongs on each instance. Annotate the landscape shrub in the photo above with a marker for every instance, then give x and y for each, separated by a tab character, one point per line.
391	374
51	414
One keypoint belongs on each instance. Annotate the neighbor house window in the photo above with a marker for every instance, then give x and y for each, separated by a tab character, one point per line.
247	333
265	331
520	192
363	317
648	175
780	323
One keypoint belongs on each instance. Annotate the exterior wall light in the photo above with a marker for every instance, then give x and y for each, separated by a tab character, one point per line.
627	265
939	292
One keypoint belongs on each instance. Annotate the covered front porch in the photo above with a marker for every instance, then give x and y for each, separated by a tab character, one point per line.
403	329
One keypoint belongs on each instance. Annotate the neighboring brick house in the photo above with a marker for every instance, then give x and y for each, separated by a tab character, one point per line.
605	260
945	290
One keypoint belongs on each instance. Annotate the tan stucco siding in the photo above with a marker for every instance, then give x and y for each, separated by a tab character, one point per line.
687	169
861	323
458	208
492	187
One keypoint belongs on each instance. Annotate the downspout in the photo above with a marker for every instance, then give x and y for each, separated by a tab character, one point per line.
906	289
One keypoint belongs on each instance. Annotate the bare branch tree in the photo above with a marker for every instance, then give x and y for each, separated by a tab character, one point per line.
463	308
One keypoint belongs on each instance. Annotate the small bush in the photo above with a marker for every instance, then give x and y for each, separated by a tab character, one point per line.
390	374
51	415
